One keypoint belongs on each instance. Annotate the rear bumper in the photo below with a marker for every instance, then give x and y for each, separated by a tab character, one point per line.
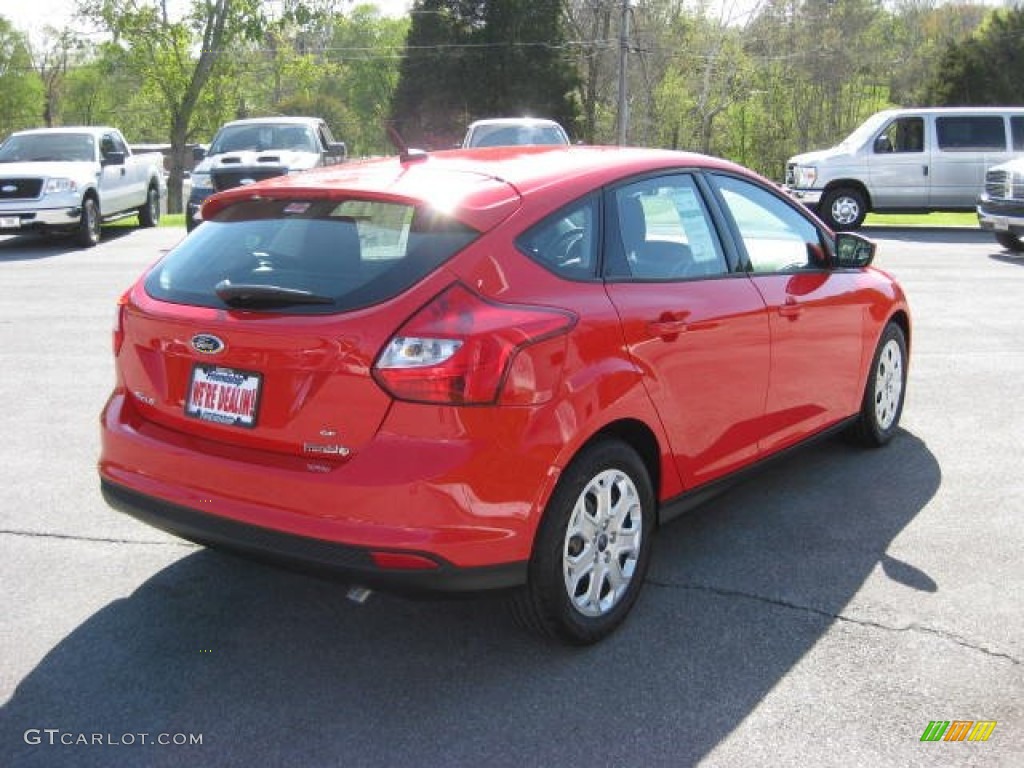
323	558
446	503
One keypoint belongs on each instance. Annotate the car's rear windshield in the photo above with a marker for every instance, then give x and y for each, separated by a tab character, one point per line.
306	257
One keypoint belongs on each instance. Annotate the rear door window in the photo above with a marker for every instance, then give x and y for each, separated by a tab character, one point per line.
971	134
307	257
664	232
1017	129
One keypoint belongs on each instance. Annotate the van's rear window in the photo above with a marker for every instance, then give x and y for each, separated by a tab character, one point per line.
306	257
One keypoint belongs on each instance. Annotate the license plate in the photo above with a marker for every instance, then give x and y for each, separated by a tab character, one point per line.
1001	224
10	222
223	395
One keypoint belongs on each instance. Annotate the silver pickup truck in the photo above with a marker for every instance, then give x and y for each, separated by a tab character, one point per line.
73	179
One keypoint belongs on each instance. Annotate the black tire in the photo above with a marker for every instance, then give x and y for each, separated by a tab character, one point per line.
884	391
843	209
89	224
149	213
1010	241
592	549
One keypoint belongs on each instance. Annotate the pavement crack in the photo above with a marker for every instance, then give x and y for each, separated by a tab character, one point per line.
913	627
98	539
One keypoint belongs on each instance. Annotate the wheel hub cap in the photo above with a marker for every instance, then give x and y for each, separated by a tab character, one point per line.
602	543
888	384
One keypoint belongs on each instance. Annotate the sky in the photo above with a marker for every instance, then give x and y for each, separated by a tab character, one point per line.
32	15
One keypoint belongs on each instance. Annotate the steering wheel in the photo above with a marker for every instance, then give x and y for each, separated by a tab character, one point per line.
565	248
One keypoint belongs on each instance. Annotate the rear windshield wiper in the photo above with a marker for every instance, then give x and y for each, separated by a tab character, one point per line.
256	296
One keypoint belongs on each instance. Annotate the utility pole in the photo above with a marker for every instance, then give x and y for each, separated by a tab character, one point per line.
623	114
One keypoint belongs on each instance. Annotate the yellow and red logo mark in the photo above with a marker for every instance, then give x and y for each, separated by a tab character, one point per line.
958	730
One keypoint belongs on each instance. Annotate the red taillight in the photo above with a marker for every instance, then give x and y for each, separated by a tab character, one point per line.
119	323
460	348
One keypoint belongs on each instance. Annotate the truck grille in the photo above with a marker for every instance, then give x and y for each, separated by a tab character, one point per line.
20	189
234	177
1004	185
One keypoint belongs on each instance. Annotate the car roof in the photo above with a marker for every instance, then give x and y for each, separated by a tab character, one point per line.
90	129
513	121
277	120
478	186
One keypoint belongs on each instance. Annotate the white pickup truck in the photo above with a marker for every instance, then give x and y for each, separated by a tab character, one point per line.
73	179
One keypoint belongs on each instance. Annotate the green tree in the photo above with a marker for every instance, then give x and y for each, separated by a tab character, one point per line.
21	91
984	69
176	59
467	59
366	49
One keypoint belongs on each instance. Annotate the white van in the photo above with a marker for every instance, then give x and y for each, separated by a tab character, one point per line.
907	160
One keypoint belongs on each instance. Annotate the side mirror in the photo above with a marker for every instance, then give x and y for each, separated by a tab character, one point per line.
853	251
337	149
883	145
113	158
198	154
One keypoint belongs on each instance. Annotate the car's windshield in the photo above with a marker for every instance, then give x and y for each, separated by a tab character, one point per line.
865	131
263	136
48	148
501	135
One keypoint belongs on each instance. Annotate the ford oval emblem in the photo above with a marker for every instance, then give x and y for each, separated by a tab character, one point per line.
207	344
10	188
247	181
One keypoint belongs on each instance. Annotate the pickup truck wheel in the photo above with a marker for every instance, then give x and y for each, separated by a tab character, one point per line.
843	209
1010	241
149	213
88	233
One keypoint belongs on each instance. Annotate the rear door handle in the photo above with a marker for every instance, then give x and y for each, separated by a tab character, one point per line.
791	309
667	327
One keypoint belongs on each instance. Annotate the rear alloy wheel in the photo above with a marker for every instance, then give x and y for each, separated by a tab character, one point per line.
593	547
885	391
843	209
149	213
1010	241
88	233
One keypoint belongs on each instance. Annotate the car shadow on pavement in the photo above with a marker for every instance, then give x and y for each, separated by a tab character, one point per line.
275	668
1008	257
33	246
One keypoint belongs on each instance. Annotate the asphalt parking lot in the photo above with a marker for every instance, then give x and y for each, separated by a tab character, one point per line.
823	613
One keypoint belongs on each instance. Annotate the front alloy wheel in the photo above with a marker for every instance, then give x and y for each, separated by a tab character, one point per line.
592	548
885	391
89	224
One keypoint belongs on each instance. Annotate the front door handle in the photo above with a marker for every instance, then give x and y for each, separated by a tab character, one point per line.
669	325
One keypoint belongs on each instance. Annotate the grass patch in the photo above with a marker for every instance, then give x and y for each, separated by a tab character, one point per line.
166	220
922	220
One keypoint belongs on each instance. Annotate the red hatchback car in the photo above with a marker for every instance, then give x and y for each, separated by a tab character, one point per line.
490	369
